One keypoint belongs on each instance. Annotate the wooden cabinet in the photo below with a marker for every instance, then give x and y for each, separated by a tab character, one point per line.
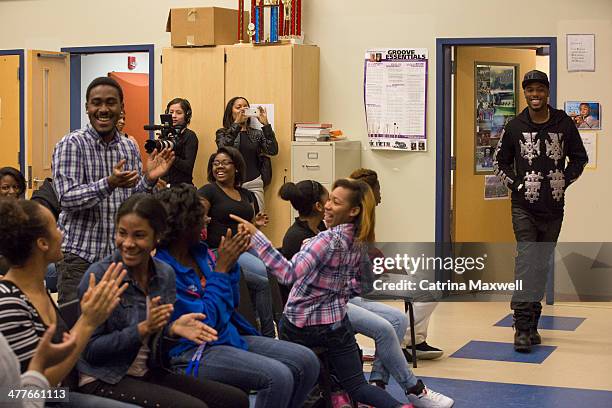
286	76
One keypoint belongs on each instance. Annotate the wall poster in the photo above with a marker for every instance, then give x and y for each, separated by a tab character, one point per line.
496	103
395	98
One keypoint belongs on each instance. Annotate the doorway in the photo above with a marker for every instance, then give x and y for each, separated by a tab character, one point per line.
132	66
462	138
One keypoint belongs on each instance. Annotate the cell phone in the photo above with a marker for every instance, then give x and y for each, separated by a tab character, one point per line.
251	112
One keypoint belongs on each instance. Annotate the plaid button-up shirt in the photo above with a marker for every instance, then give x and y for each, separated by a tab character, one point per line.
81	165
324	274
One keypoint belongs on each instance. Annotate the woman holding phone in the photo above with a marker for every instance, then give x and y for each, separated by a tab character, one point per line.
239	131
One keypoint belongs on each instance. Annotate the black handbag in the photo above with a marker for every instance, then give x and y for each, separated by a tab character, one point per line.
265	168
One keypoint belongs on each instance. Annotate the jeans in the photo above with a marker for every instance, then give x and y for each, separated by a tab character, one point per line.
256	276
164	389
386	325
282	373
70	270
343	355
536	239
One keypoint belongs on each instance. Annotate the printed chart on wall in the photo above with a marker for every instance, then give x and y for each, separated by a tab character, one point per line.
395	98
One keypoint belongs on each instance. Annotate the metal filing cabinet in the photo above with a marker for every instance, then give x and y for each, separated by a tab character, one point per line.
324	161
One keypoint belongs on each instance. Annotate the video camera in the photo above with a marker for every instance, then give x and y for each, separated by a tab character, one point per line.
167	138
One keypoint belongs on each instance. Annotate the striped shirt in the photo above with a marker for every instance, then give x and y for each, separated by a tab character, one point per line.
21	324
81	164
326	273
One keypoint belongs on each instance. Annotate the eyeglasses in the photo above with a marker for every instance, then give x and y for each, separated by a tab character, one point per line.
223	163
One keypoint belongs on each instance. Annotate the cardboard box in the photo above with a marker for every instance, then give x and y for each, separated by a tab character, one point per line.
200	26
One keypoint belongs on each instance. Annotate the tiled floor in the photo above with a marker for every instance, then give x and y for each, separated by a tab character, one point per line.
576	370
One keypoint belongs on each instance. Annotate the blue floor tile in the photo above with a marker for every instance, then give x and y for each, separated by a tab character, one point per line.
496	351
549	322
481	394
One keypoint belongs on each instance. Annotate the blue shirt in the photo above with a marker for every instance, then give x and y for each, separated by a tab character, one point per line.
218	300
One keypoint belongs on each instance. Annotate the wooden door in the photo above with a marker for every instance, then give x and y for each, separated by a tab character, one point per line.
477	219
49	108
197	74
9	111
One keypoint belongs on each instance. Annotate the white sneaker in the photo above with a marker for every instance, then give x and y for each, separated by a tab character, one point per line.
430	399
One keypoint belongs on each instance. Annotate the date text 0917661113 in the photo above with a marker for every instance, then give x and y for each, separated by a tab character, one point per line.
59	394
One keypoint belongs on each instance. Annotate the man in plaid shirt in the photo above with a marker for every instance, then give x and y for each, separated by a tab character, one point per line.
95	169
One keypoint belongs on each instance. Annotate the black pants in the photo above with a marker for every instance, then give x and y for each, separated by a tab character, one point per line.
159	388
70	271
536	239
343	354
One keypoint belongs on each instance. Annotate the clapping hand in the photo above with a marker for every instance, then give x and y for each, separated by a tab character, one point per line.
100	299
190	326
121	178
48	354
230	248
159	163
157	318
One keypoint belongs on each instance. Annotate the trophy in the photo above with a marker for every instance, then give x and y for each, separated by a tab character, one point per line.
272	21
291	19
264	25
251	31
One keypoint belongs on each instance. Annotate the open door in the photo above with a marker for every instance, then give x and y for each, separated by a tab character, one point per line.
483	77
136	105
477	219
49	109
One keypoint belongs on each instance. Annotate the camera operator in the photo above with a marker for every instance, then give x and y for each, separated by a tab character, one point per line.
186	143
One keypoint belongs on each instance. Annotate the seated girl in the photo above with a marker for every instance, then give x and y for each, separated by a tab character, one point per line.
325	274
29	241
224	196
282	373
118	362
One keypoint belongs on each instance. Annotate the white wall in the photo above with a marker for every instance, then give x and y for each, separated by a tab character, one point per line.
96	65
343	30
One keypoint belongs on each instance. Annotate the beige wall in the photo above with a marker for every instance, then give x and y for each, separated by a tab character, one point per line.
343	33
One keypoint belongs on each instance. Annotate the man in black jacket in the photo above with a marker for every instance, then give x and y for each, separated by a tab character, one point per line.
531	160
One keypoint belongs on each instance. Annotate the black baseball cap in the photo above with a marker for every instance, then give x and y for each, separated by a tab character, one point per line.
535	76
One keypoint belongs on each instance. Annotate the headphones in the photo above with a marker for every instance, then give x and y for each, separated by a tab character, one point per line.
181	101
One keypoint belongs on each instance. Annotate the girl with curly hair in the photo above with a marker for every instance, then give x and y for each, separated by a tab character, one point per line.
282	373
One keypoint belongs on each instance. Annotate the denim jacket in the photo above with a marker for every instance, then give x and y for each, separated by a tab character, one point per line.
115	343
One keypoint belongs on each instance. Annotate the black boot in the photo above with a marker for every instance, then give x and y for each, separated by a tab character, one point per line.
536	311
522	343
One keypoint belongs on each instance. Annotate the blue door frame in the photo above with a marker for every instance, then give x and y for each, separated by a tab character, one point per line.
20	53
75	76
443	131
